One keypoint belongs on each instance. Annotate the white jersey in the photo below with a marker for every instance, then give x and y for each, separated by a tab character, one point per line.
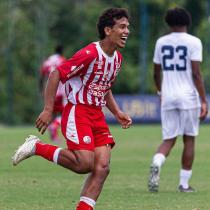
175	52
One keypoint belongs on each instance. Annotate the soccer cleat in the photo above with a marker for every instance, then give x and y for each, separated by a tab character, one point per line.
153	182
26	150
185	190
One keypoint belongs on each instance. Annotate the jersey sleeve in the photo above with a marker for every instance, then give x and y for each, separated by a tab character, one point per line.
196	51
156	57
76	65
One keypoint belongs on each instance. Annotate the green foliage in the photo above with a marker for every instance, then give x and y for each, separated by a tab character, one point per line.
30	30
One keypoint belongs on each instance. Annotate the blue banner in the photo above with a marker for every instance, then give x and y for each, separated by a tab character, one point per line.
141	108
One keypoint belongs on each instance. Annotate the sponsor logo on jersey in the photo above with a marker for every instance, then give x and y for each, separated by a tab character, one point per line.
87	139
98	90
74	70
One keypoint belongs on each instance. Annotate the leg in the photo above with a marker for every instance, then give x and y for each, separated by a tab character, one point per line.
190	119
187	162
79	161
188	152
94	182
166	146
158	160
170	120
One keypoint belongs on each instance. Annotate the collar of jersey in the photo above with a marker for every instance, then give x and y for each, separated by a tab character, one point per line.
109	58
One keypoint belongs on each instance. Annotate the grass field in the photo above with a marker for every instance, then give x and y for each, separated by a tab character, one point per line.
37	184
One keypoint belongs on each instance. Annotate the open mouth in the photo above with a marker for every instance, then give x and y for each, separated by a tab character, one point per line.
124	39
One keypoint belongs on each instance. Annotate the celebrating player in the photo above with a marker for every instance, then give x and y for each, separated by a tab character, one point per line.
183	99
88	76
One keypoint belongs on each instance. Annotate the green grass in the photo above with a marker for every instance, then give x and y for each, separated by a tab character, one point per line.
37	184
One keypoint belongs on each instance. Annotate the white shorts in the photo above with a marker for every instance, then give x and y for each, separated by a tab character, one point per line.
177	122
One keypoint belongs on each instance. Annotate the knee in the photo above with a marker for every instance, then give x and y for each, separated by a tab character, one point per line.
85	167
102	170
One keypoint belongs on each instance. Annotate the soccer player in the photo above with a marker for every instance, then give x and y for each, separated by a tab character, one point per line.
181	88
49	65
88	76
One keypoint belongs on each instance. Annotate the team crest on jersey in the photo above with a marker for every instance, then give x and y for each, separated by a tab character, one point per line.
87	139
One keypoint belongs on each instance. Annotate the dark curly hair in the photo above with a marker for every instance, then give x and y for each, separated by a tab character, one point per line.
108	17
178	17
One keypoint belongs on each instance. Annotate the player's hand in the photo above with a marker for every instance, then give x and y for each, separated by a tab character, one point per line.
204	110
43	121
124	119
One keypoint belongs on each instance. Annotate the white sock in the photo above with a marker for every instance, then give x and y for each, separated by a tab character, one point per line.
159	159
89	201
185	176
55	155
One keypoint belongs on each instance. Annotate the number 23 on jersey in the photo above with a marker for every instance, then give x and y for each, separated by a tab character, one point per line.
169	53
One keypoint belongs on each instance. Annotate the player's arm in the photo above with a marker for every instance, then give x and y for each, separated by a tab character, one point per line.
157	76
112	105
49	97
199	84
157	66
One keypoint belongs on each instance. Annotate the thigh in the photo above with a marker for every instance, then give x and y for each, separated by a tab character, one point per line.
76	128
190	120
170	120
102	156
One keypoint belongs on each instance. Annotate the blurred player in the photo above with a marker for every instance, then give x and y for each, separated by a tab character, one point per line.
88	76
48	66
183	99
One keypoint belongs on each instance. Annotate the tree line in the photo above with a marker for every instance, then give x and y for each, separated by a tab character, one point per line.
31	28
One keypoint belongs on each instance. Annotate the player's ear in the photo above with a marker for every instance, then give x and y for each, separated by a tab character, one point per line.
107	30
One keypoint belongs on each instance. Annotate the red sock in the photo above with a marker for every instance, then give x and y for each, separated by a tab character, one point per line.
83	206
45	150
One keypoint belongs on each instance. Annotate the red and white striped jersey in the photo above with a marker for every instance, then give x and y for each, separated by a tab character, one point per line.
89	74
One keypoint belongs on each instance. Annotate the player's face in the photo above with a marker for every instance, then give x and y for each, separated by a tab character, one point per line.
119	32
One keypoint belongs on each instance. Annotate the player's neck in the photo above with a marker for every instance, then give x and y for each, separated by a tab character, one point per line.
107	48
179	29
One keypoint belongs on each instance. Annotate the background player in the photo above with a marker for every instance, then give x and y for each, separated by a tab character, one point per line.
88	77
183	99
48	66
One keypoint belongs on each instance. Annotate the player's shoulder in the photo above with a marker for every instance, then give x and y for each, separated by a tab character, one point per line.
162	39
193	38
87	51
